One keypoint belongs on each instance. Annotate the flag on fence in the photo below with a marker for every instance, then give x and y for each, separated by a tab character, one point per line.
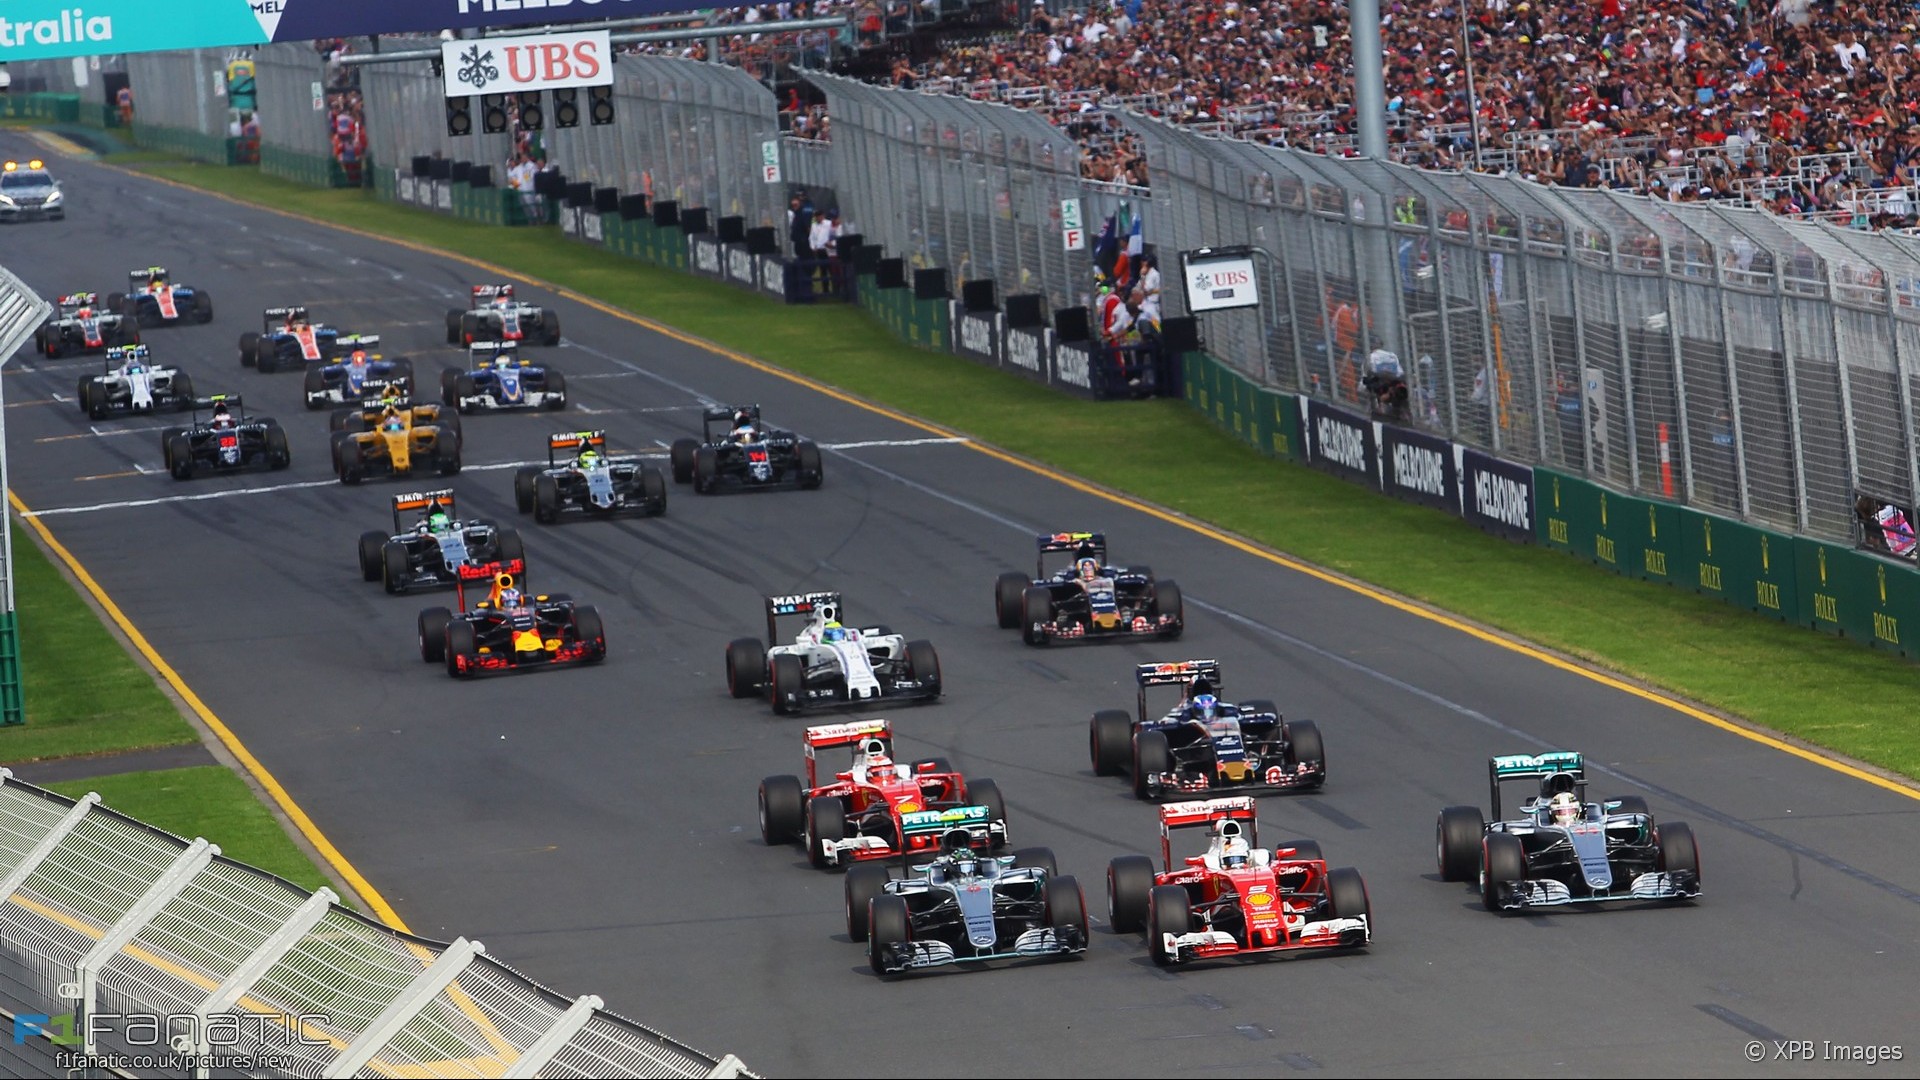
1105	249
1128	264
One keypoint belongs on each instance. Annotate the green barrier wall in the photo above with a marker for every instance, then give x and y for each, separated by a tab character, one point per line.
1268	419
1857	595
928	322
1577	517
1743	565
213	149
59	108
315	170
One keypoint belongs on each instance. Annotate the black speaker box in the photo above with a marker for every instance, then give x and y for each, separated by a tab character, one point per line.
460	172
580	194
866	257
931	284
1026	310
634	207
763	241
606	199
1180	335
978	296
480	176
694	220
1072	324
666	213
440	169
731	229
423	165
891	273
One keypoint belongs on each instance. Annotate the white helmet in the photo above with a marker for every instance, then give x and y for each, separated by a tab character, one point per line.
1565	808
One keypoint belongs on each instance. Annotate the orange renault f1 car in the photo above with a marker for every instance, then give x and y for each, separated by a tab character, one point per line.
511	631
395	438
876	809
1236	898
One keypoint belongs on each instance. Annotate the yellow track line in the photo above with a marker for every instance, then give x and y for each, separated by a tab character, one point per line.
1084	487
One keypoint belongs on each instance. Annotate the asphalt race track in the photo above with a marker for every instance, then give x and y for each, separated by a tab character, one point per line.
595	828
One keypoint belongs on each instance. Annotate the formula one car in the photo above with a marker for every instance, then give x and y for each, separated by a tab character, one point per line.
288	338
1236	898
738	452
152	299
133	384
30	191
877	808
964	907
430	546
226	441
81	325
1087	598
511	631
580	478
395	438
1202	743
828	664
1563	849
360	374
498	377
494	315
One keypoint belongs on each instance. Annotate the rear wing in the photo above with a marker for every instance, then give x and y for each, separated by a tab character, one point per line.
827	736
1550	766
723	415
485	354
277	314
78	300
350	342
151	273
422	504
120	354
483	293
971	819
1054	543
574	442
1202	814
826	605
231	401
1181	673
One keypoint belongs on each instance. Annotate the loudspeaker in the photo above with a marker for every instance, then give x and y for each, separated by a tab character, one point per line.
533	114
580	194
866	257
566	107
977	296
606	199
440	169
666	213
493	113
551	183
459	117
847	242
600	105
634	208
460	172
694	220
731	229
423	166
480	176
931	284
891	273
762	241
1071	324
1026	311
1180	335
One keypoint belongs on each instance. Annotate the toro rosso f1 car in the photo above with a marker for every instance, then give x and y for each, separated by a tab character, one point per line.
152	299
133	384
430	546
586	481
511	631
1235	898
227	440
1087	599
828	664
1563	848
1203	743
498	377
81	325
737	452
288	338
361	374
494	315
877	808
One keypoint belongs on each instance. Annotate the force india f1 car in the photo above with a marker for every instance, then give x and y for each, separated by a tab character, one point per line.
1235	899
587	481
396	438
81	325
361	374
828	664
511	631
964	907
1204	744
288	338
430	546
152	299
877	808
1563	849
498	377
494	315
736	451
1087	599
132	384
226	441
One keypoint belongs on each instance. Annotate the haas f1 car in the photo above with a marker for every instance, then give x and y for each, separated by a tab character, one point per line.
1235	898
498	377
81	325
1204	744
511	631
827	664
132	384
494	315
361	374
737	452
877	808
430	546
396	438
1087	599
226	440
587	481
1563	848
152	299
289	339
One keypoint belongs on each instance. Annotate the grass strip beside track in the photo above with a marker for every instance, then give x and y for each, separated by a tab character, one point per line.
1779	677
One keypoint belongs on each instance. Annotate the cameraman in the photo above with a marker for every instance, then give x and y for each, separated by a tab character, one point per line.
1386	383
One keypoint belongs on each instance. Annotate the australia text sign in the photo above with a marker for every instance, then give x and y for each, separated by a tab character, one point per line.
508	65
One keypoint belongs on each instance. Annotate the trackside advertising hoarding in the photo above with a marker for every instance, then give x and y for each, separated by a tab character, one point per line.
1418	466
1340	441
1494	494
39	29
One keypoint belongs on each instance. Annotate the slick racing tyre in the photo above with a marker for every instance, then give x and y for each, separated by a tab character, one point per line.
432	628
1168	912
1457	838
1109	742
746	667
1347	891
889	923
681	457
1009	598
1503	865
783	810
826	823
1129	880
865	882
1037	858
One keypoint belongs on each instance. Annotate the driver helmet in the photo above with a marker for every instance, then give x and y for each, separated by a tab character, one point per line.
358	358
1088	567
84	312
1565	808
221	415
833	631
1205	708
587	459
509	598
439	522
1234	851
872	755
742	433
957	845
393	422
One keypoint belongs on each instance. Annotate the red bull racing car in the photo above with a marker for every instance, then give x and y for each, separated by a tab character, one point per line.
511	631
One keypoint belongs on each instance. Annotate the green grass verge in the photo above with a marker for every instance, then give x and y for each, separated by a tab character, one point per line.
1777	676
210	801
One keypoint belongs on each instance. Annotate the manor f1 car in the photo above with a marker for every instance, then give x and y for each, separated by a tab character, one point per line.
1204	744
1564	849
828	664
1086	599
580	478
737	452
227	440
430	546
396	438
494	315
133	384
877	808
498	377
511	631
81	325
152	299
361	374
288	338
1236	898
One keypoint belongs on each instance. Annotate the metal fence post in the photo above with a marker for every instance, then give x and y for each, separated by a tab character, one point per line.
401	1011
193	859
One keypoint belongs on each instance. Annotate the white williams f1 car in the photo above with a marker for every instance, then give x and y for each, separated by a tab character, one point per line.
132	383
828	664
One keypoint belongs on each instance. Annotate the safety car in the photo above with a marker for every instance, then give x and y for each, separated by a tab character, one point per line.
826	664
431	547
581	479
29	192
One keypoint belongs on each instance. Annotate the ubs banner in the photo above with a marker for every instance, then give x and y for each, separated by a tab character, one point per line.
1341	442
1495	495
1419	467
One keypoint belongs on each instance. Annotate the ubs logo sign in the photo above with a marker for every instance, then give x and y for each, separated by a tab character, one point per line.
740	265
773	276
706	257
590	225
1070	366
1023	350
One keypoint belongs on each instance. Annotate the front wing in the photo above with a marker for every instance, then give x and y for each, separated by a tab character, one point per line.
1321	934
1652	885
899	956
529	399
1273	778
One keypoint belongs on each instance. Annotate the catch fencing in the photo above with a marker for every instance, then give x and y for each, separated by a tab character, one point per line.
104	919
